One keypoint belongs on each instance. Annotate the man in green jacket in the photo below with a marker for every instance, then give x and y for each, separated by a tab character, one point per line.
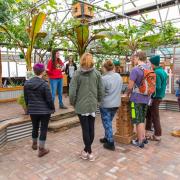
153	111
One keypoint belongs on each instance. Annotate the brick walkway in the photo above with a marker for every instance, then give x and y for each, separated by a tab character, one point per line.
13	109
156	162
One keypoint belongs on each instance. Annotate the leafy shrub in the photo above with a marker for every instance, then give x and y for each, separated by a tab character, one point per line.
21	101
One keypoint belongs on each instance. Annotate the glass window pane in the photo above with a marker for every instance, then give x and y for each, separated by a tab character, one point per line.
5	69
21	69
12	66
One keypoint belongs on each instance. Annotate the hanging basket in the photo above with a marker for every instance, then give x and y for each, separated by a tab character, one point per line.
21	56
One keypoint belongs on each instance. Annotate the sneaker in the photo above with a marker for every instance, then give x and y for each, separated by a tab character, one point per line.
145	141
63	107
109	146
84	155
136	143
91	157
103	140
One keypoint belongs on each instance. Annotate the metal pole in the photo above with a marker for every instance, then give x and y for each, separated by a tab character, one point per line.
136	6
159	13
123	7
167	15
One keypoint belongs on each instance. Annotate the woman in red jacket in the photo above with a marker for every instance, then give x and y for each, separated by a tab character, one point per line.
54	70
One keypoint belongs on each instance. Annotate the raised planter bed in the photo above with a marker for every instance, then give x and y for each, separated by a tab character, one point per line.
21	127
10	94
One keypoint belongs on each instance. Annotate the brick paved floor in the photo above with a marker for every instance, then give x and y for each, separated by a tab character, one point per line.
158	161
13	109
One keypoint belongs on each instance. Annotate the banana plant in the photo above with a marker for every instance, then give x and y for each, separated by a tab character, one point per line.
81	36
133	36
34	30
36	25
145	36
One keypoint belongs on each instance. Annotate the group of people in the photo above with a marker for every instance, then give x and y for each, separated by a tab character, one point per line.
145	107
55	68
89	89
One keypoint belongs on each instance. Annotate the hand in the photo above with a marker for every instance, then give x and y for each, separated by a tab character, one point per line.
126	94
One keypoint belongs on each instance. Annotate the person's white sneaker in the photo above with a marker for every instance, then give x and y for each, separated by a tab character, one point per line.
91	157
84	155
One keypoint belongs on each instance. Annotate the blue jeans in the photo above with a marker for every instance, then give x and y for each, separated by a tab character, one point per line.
107	115
57	84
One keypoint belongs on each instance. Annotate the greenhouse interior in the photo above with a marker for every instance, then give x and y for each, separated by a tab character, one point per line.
103	75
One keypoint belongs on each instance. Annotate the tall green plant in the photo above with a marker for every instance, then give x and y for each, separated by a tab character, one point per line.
37	22
81	36
146	36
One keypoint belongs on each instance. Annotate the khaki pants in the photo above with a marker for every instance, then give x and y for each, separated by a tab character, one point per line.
153	118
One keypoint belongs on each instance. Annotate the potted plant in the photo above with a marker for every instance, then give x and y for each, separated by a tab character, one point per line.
21	101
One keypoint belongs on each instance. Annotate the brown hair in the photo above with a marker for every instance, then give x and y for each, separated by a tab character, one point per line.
108	65
141	55
53	57
87	61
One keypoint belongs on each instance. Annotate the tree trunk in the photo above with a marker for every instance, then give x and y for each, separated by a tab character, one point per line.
0	69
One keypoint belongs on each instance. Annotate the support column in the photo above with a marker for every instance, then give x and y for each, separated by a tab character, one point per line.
124	128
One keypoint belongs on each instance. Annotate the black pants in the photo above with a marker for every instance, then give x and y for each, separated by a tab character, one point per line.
179	102
68	83
87	125
153	118
41	121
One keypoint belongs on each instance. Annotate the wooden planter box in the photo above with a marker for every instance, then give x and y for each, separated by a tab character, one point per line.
10	94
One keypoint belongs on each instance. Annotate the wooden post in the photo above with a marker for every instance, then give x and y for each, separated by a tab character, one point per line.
124	128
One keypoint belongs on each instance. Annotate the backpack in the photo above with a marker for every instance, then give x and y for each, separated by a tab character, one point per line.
148	84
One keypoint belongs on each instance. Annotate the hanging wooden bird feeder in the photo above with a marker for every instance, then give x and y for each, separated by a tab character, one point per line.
82	11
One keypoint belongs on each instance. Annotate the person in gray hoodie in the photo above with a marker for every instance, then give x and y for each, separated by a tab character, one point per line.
112	83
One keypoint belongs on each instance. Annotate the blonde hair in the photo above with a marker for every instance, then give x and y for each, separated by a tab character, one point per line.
87	61
108	65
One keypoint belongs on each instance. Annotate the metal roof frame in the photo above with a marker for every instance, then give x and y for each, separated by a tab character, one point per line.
137	11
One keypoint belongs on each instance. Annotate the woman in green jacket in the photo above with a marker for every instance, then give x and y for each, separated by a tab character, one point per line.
85	92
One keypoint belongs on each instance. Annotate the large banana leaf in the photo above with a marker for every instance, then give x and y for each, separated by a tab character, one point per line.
37	23
2	29
82	33
108	34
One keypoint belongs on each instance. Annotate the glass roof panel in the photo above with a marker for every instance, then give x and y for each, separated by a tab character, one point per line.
129	5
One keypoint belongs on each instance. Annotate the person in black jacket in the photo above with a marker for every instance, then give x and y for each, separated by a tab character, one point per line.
40	106
70	69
